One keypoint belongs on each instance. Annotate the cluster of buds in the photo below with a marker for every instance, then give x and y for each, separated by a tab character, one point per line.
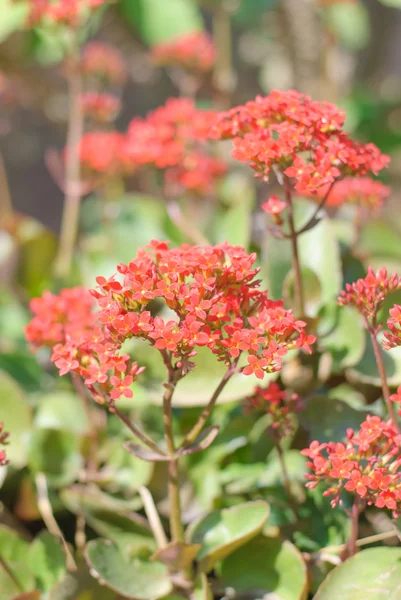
193	52
172	138
71	13
279	404
392	338
367	193
3	442
367	465
216	302
295	137
367	295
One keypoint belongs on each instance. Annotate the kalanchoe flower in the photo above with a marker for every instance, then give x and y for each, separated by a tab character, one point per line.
102	155
102	108
392	338
367	295
279	404
302	139
3	442
367	464
102	62
397	398
193	52
365	192
274	206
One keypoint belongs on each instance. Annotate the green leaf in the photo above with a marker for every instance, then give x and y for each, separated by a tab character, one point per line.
62	411
128	531
16	415
127	575
373	574
295	464
223	531
46	560
378	238
344	338
312	290
56	454
12	17
327	419
366	371
80	585
233	225
349	22
158	21
267	567
79	498
177	555
37	250
391	3
13	550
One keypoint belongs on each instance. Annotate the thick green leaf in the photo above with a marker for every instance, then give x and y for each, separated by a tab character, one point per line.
344	339
312	290
16	415
373	574
46	560
327	419
233	225
223	531
63	411
124	470
13	550
267	567
37	250
295	464
129	576
366	370
56	454
128	531
80	585
378	238
79	498
158	21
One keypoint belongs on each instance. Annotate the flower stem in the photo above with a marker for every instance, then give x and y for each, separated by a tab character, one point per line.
382	373
286	478
299	290
352	542
137	432
223	72
176	526
70	218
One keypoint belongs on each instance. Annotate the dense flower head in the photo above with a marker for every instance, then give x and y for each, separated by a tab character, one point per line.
3	442
102	154
100	107
215	302
367	295
368	193
66	12
56	317
194	52
278	403
366	464
303	139
102	62
392	338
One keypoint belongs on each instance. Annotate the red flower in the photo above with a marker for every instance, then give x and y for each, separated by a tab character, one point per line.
100	107
274	205
103	62
194	52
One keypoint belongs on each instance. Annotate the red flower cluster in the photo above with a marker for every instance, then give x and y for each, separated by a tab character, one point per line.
171	138
3	442
367	295
365	192
103	62
66	12
80	344
304	140
393	337
279	404
100	107
193	52
56	318
213	292
367	464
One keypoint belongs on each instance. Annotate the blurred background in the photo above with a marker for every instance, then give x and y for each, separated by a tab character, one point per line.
348	52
